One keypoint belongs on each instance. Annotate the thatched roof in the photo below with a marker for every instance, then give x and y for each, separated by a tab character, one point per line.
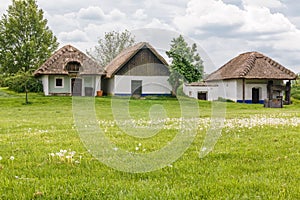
252	65
56	64
120	60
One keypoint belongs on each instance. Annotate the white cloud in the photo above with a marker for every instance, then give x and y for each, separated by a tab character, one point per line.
76	35
91	13
204	14
140	14
156	23
214	16
116	14
224	28
261	20
263	3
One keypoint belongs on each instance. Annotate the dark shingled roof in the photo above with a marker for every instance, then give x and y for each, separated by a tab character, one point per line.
252	65
57	62
120	60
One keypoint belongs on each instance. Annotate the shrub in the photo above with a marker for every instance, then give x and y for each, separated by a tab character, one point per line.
18	82
295	93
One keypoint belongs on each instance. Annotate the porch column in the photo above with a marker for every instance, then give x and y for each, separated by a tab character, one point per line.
288	92
270	90
244	86
45	81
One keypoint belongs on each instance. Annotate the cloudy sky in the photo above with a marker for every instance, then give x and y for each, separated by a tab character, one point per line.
222	29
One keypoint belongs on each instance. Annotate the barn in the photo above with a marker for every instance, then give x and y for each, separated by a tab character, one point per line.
250	77
138	70
70	72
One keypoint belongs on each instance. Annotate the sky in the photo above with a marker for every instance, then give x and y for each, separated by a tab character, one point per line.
222	29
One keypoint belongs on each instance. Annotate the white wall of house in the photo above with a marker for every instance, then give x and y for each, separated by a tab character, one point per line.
151	85
45	81
214	90
230	87
97	84
109	86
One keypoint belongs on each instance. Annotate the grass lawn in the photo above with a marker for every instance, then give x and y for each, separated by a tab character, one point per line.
43	157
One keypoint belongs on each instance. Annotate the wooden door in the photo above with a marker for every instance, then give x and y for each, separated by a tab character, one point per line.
136	88
255	95
202	95
76	86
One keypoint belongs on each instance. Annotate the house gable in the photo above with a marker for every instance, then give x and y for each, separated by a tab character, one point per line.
144	63
140	54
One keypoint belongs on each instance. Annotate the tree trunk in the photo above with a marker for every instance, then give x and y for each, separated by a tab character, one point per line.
26	93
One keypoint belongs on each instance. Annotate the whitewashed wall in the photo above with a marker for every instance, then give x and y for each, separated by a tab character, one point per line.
230	87
45	81
150	85
214	90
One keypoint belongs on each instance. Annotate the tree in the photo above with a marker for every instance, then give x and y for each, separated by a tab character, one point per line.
110	46
186	65
25	39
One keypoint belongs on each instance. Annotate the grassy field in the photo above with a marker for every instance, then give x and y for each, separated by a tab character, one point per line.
43	157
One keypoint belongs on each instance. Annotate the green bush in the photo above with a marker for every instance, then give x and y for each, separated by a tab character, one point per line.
295	93
18	82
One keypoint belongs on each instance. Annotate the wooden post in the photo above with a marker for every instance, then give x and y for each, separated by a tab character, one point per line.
243	90
288	92
270	90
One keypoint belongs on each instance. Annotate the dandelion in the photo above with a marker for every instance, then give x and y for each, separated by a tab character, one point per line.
137	148
1	158
115	148
12	158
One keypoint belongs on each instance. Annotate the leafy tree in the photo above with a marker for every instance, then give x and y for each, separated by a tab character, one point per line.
186	65
295	90
25	40
110	46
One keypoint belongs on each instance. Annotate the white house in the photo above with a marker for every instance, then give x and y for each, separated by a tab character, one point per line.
249	78
138	70
70	72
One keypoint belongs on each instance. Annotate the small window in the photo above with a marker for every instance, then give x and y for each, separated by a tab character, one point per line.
59	82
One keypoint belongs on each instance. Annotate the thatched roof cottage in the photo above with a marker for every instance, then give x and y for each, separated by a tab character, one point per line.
250	78
138	70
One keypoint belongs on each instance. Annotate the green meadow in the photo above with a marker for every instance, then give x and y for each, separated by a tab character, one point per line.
43	157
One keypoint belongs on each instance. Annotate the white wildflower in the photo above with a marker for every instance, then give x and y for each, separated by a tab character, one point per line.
12	158
115	148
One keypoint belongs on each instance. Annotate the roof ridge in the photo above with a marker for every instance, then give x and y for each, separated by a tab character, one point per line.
275	64
249	64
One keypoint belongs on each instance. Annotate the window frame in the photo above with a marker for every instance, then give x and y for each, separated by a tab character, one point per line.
62	82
